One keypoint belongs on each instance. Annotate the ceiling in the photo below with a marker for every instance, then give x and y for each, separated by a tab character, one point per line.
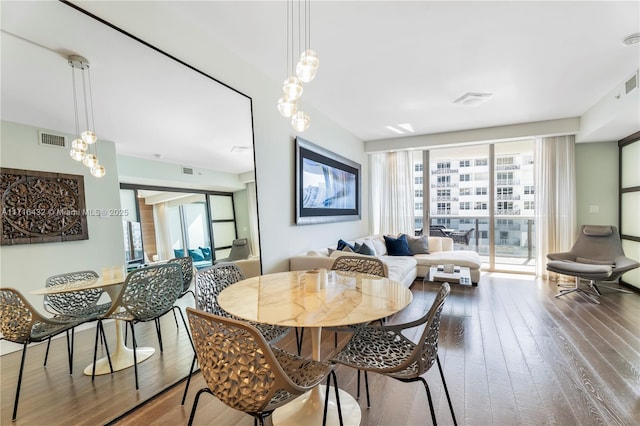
384	63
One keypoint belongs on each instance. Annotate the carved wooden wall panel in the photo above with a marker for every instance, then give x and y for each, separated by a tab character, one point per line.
42	207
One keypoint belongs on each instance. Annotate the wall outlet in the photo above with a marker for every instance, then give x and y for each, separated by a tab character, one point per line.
594	209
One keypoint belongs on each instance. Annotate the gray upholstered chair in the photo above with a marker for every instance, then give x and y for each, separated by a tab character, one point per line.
246	373
209	283
21	323
596	255
239	250
385	350
147	294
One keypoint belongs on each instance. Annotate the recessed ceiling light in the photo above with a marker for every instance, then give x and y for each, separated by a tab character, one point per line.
238	148
632	39
406	126
394	129
471	98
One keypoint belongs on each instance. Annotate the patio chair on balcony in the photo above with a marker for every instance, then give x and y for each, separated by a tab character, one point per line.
462	237
437	231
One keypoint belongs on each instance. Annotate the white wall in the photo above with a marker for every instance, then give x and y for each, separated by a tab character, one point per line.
26	266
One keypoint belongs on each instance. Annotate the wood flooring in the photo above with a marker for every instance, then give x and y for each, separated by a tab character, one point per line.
512	355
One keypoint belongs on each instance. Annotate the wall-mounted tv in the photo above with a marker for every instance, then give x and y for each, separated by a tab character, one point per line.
327	185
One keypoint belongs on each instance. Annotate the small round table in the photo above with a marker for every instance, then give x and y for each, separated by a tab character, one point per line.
347	298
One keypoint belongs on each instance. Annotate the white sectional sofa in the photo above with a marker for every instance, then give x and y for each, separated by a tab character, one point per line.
404	269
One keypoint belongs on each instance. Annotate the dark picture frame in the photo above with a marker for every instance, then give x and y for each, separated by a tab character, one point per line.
328	186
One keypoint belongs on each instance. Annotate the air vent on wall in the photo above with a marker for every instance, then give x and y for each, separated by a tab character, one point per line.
52	140
187	170
631	84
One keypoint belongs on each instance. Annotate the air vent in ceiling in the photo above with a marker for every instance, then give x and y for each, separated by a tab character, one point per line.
51	139
631	84
187	170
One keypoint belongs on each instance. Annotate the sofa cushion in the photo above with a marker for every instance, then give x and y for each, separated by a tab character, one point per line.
467	258
206	251
397	246
196	255
418	245
399	266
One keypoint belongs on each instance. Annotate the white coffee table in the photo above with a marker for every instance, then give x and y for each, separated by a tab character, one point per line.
460	275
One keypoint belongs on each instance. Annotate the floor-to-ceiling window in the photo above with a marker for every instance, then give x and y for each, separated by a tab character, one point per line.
485	191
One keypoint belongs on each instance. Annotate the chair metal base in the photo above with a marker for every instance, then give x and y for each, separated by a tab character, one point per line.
592	295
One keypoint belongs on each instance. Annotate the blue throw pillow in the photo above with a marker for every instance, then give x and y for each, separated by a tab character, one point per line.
178	252
196	254
206	251
397	246
342	244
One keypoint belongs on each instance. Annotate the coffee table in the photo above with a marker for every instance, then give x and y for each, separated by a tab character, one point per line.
461	275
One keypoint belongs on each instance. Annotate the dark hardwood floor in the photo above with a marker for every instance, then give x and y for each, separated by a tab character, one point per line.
512	355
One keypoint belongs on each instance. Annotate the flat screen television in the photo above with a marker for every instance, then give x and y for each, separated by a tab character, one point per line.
327	185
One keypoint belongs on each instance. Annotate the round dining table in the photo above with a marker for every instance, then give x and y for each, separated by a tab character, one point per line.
121	356
339	299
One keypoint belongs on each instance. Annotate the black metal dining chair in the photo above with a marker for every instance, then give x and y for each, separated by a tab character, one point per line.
246	373
209	284
385	350
147	294
77	304
21	323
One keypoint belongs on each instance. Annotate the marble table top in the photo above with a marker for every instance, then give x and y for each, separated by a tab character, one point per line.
283	299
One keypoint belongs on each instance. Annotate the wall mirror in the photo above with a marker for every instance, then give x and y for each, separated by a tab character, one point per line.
152	105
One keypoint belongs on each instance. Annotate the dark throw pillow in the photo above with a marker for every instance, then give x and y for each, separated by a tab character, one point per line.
342	244
206	251
364	249
397	246
178	252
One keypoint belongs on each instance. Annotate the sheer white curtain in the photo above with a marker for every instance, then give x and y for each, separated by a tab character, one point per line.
555	198
163	231
392	194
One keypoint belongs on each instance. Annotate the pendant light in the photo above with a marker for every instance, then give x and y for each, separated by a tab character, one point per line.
80	146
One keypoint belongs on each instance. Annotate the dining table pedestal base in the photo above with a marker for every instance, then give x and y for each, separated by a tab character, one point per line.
121	358
308	408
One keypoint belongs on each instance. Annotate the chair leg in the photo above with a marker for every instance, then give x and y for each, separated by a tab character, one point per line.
70	349
135	357
446	391
186	388
195	404
46	354
358	388
299	339
158	332
95	350
366	387
337	390
175	317
186	327
15	404
433	414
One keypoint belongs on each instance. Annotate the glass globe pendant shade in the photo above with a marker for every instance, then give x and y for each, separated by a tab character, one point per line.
300	121
98	170
307	65
90	160
89	136
287	107
292	88
76	154
79	145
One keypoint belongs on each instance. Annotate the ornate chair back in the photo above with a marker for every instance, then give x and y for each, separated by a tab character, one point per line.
74	303
365	265
187	271
211	281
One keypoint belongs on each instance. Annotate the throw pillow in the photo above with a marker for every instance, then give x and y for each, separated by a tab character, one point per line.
342	244
418	245
364	249
206	252
196	255
397	246
178	252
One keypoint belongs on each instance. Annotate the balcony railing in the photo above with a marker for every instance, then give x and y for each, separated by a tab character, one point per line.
444	171
507	197
508	167
444	185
